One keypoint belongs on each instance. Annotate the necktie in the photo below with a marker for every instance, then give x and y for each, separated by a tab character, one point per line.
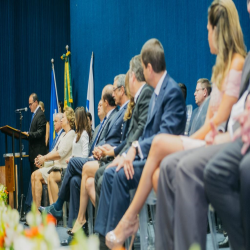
55	141
97	136
31	120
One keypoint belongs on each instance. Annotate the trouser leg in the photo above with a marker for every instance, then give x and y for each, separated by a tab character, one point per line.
222	188
245	197
74	202
98	186
164	226
104	202
191	204
74	167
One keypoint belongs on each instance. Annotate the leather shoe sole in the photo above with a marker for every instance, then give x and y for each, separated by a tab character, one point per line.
224	243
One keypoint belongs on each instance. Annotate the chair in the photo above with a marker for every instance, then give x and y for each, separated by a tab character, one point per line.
211	222
90	218
147	236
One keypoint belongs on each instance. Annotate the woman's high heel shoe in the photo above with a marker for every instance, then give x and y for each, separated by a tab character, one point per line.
129	228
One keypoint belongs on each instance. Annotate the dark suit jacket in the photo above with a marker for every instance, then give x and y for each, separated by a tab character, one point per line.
168	116
106	125
137	121
114	132
94	135
198	117
37	135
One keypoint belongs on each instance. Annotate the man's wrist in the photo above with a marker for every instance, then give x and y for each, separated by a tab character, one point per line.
135	145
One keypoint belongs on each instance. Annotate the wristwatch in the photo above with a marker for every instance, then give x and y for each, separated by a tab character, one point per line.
135	144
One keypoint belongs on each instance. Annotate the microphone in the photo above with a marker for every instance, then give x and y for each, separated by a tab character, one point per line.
23	109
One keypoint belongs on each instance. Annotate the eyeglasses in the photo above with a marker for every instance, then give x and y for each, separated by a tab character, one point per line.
114	89
30	104
198	90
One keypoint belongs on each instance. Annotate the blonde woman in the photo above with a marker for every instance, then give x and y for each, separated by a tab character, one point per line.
57	157
226	41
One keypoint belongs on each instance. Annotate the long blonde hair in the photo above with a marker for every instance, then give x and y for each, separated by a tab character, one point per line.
131	104
228	39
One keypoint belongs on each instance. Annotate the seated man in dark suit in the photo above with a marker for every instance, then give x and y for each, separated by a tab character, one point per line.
132	130
166	114
109	132
202	93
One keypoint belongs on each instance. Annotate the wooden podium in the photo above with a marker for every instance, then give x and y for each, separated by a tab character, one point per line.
9	172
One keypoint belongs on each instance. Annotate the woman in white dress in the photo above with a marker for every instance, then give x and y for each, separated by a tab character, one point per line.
56	158
79	149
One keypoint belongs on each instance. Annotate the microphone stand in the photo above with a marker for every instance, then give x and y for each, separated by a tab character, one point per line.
21	204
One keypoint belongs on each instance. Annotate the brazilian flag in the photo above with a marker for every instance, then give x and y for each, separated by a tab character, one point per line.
68	99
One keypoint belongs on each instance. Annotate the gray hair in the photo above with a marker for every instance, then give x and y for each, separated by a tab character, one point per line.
121	81
136	67
59	115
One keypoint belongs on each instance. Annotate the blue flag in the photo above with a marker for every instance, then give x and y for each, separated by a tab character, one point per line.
53	107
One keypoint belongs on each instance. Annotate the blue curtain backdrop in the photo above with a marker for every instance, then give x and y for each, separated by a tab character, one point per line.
116	30
32	32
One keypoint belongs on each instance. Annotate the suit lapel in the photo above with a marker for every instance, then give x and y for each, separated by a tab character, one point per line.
158	101
136	107
117	115
35	117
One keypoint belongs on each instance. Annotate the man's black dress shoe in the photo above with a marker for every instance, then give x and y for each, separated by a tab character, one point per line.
66	242
224	243
26	224
84	228
51	210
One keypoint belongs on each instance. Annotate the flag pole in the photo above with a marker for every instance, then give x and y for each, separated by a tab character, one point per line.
52	62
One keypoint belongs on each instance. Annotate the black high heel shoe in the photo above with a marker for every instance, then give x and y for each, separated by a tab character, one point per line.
84	228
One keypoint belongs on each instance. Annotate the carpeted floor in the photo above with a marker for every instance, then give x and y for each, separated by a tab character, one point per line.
62	232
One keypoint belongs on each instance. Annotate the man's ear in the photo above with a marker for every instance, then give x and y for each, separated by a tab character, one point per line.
149	67
205	92
105	102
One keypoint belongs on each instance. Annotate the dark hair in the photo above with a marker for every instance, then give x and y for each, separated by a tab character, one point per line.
35	97
81	123
107	95
152	52
61	106
89	116
205	84
183	89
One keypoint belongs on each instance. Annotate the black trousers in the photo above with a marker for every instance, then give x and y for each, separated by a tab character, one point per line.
227	184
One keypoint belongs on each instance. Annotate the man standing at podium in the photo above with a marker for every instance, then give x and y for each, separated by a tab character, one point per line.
36	132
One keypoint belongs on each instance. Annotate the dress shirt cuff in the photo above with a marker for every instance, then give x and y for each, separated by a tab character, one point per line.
140	152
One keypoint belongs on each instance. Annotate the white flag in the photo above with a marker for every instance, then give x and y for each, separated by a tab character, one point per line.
90	95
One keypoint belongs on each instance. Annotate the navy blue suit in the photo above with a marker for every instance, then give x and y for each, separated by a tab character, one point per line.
73	174
167	116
